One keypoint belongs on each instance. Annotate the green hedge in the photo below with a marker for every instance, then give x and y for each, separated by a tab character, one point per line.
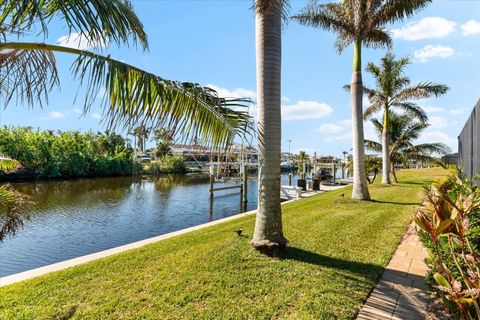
69	153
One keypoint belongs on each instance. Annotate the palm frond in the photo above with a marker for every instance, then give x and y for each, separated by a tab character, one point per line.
378	125
26	75
9	165
429	149
374	70
391	11
135	97
377	38
262	6
373	145
414	109
14	210
421	91
331	16
371	110
101	21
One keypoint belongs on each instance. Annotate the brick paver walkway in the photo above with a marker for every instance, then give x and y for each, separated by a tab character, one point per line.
400	292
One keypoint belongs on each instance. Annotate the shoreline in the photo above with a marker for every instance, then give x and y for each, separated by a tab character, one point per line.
33	273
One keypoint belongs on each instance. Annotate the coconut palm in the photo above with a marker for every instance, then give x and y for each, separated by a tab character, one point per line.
302	158
163	138
268	235
361	23
132	96
141	135
403	131
14	206
394	90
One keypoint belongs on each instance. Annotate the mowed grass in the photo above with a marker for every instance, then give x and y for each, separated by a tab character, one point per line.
337	250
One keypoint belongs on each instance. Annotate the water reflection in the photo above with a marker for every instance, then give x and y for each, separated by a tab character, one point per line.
78	217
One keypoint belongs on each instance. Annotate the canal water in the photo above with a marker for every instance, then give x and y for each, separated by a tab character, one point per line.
78	217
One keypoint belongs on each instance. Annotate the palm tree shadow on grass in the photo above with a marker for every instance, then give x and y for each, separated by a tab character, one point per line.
396	202
413	182
368	270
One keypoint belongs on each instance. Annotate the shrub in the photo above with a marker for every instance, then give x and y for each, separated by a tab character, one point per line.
450	223
69	153
168	164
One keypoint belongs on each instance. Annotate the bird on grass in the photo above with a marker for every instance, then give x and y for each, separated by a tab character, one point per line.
239	232
342	195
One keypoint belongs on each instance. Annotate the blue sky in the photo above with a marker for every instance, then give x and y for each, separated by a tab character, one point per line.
213	43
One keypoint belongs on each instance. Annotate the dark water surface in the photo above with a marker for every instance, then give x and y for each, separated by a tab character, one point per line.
77	217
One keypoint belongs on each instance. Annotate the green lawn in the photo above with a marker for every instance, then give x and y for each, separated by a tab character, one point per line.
337	250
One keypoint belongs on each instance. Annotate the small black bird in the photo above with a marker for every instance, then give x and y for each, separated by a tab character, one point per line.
239	232
342	195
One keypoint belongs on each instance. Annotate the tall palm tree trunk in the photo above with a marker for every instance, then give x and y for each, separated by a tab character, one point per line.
360	188
392	171
385	150
268	234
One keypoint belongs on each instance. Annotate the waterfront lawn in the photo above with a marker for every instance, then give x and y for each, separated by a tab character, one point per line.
337	250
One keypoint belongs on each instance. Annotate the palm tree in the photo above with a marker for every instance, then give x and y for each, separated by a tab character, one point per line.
141	134
163	138
373	165
14	206
404	130
268	235
302	158
133	96
394	90
361	23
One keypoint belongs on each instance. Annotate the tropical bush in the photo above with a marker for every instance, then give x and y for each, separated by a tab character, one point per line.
14	205
450	220
167	164
51	154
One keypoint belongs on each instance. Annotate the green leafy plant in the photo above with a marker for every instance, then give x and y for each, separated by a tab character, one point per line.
14	206
167	164
69	153
444	218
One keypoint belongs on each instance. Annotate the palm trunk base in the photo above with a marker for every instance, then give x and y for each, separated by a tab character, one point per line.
360	193
272	248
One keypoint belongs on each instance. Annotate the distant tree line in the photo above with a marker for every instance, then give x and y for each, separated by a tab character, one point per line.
64	154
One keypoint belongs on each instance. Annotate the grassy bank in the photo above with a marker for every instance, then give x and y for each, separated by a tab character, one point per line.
337	251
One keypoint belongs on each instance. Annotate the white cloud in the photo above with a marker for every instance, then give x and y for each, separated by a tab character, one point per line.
285	99
77	111
438	136
54	115
330	128
237	93
432	109
430	51
336	131
471	27
78	41
342	131
457	111
437	122
96	116
426	28
304	110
